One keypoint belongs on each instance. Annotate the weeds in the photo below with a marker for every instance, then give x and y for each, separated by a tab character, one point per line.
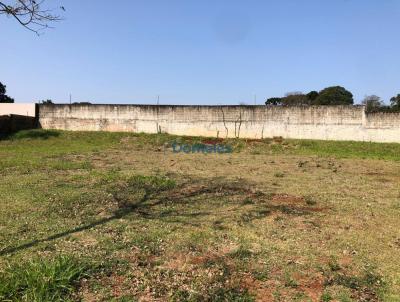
41	280
216	295
289	281
242	253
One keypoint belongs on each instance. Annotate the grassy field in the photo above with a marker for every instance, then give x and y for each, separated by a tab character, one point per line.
120	217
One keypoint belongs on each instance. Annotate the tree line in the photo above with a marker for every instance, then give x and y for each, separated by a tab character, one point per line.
374	103
335	95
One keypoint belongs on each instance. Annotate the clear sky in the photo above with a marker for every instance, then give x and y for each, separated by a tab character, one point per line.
204	51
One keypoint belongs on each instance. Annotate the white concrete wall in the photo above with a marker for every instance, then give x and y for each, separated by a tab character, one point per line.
18	109
317	122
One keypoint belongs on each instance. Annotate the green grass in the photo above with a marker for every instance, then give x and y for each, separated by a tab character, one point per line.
337	149
364	150
28	149
272	219
41	280
24	144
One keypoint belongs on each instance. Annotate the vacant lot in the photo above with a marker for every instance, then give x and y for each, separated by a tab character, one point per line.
120	217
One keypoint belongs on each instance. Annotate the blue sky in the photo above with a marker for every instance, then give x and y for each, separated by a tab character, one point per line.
204	52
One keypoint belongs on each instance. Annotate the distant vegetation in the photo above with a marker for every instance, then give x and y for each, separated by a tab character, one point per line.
50	102
81	103
46	102
335	95
374	103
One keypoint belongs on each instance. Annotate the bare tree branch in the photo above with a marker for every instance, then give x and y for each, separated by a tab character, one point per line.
30	14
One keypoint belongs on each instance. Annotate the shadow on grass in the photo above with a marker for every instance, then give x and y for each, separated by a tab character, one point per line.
177	195
30	134
119	214
35	134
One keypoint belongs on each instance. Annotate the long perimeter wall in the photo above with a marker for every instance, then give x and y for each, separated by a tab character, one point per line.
316	122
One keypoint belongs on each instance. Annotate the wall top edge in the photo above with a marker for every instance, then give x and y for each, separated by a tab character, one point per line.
198	106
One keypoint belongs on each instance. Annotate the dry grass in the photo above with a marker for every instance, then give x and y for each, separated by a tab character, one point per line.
283	221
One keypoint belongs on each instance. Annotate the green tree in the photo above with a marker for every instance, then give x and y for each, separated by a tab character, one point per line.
335	95
46	102
312	95
2	89
3	97
395	102
273	101
372	103
295	99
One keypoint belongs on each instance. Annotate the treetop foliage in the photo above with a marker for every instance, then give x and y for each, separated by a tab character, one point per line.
335	95
3	97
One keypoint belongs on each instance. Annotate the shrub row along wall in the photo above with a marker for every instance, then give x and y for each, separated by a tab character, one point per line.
316	122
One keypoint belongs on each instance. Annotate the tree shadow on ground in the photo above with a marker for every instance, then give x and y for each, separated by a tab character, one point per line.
145	207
